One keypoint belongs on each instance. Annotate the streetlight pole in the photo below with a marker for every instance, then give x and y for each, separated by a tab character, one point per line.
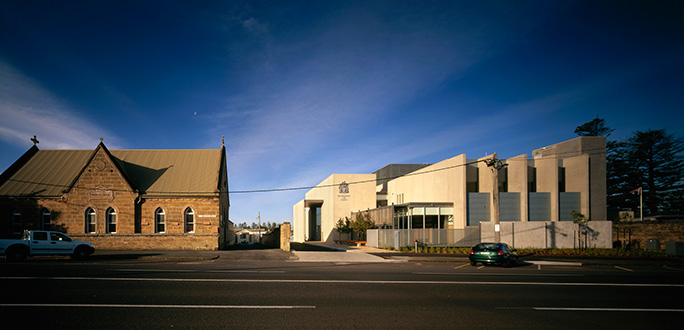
641	204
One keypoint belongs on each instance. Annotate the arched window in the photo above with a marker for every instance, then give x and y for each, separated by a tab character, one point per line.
16	222
45	218
159	221
110	219
189	220
89	220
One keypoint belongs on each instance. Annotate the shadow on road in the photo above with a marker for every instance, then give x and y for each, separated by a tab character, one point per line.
293	246
240	247
309	247
120	256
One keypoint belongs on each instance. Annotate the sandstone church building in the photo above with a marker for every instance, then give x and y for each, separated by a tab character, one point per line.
121	199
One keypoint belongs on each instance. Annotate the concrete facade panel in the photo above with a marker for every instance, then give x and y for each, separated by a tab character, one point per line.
531	188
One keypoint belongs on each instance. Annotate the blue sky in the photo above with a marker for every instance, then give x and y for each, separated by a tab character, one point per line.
304	89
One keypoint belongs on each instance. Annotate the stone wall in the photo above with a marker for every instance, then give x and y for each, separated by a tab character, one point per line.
637	233
150	241
101	189
278	238
285	233
206	210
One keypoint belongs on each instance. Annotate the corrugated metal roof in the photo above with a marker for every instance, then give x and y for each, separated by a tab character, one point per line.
153	172
171	172
47	173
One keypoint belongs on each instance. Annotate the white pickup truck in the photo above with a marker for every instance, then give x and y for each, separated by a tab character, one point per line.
38	242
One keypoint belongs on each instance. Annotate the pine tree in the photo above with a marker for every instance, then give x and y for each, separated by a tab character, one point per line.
653	161
658	167
596	127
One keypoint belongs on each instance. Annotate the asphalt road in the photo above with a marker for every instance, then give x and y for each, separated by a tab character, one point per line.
271	293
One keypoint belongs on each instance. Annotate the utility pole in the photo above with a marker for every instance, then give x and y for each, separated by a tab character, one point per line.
641	204
495	165
259	228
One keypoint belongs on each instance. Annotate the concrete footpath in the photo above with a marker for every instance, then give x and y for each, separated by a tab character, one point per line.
323	252
371	254
309	252
337	253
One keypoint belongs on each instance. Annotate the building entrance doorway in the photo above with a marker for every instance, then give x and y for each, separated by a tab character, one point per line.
419	216
314	223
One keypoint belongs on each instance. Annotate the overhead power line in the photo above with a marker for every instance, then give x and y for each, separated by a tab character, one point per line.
417	172
596	151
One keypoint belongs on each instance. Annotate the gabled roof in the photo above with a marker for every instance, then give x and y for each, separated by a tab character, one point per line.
49	173
171	172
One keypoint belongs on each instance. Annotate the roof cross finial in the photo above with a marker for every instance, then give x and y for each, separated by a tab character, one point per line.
222	141
34	140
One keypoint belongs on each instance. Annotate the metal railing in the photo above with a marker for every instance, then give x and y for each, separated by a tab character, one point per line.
426	237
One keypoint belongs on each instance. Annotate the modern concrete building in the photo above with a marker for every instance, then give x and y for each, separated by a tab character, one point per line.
456	193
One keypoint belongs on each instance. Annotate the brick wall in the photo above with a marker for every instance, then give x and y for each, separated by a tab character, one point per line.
638	233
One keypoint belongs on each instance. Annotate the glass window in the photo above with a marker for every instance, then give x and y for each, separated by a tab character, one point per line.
59	237
488	246
45	219
189	220
40	236
111	220
16	222
89	220
159	221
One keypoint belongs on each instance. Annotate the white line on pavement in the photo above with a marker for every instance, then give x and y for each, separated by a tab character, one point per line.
228	280
595	309
199	271
161	306
502	274
623	268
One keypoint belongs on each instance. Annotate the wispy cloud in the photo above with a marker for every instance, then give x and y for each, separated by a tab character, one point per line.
28	109
330	101
330	87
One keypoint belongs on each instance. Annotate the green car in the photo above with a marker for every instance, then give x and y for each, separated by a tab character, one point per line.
493	253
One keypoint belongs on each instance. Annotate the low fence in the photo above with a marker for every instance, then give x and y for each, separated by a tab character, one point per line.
432	237
533	234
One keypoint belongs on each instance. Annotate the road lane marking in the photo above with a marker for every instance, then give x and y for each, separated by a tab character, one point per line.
461	266
554	263
501	274
162	306
229	280
596	309
623	268
199	271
